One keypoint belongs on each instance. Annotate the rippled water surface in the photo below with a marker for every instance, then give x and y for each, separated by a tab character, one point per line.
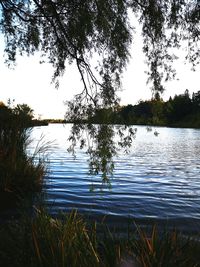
159	180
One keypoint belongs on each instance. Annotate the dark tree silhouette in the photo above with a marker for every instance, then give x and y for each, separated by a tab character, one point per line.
74	30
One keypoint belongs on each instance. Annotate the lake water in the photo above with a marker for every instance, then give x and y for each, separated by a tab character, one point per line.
158	181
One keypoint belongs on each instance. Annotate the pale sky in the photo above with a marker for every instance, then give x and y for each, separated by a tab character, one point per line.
30	83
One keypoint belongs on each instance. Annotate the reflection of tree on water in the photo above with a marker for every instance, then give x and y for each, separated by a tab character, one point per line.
102	142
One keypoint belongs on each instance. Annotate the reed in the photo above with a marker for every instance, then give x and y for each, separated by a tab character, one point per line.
67	242
165	249
70	242
19	172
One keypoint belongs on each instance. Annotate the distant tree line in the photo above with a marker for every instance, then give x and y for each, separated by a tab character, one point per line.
181	111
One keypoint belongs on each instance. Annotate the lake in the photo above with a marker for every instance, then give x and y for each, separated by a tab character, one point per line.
158	181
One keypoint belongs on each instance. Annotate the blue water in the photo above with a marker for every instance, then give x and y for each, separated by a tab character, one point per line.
158	181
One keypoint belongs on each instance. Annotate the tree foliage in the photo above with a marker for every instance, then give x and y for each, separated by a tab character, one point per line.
75	30
68	30
179	111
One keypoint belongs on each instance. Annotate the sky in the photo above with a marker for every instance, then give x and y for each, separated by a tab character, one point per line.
30	83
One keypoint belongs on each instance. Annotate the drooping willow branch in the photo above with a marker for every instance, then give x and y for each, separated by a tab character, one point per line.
76	30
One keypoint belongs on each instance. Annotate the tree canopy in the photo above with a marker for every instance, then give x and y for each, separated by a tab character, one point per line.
74	30
68	30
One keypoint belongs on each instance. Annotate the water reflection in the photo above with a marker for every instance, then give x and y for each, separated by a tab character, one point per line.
158	180
101	143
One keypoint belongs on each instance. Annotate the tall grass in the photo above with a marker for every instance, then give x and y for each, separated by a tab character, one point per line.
69	242
167	249
20	174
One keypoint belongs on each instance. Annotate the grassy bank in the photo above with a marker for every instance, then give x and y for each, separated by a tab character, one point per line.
70	242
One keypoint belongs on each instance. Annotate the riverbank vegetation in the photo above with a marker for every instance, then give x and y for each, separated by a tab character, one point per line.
38	239
71	242
179	111
20	174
